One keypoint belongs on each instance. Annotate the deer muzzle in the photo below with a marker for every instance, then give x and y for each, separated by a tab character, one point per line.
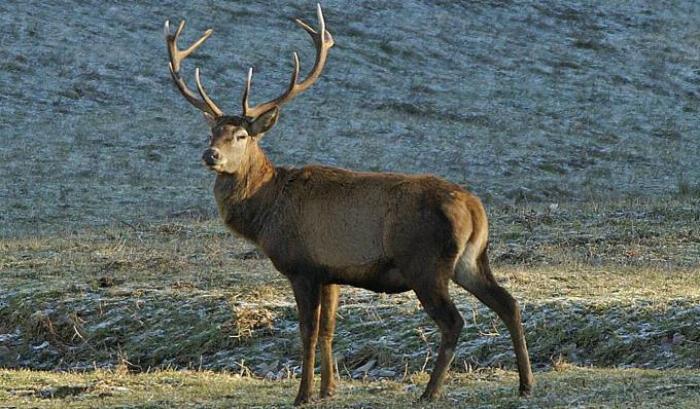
211	157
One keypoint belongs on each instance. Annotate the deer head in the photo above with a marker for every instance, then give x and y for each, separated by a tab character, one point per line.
235	137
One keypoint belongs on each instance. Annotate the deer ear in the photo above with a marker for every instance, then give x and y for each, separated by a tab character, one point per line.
211	120
264	122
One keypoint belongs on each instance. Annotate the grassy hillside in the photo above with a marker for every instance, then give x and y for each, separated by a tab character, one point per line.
523	101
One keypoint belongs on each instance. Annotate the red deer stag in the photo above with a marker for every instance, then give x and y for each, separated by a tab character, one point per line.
324	226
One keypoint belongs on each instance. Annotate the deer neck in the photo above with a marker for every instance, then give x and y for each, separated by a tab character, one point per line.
245	198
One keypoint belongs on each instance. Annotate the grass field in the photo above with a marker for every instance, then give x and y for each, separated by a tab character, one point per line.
603	290
575	121
564	388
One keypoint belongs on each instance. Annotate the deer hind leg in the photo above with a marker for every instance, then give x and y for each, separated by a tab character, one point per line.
308	298
329	305
474	275
436	301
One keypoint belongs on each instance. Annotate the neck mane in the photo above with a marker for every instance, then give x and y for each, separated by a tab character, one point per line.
244	198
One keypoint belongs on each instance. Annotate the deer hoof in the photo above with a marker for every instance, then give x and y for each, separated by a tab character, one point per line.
327	393
302	400
525	391
427	396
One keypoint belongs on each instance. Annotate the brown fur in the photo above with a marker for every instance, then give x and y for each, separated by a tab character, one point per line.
385	232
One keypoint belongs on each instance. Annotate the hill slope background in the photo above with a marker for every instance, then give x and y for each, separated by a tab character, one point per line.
537	101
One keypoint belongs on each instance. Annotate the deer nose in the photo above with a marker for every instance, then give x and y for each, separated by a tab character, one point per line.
211	157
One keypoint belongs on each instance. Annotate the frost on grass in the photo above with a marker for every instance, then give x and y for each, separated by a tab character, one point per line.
377	336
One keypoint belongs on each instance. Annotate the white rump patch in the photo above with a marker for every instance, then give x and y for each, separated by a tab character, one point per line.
466	269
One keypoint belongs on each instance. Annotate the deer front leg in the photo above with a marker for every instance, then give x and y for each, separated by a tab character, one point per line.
329	304
308	298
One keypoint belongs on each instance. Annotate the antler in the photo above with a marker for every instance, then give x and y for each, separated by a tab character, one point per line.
323	41
176	57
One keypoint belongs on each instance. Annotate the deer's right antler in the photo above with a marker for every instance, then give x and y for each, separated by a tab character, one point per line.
204	104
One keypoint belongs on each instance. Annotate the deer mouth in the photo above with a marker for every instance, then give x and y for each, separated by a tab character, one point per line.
215	167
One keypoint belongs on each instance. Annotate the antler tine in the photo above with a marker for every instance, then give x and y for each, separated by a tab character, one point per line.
246	91
180	27
321	21
323	42
295	72
176	56
204	95
305	26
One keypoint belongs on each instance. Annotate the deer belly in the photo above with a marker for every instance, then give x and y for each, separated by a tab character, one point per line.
379	276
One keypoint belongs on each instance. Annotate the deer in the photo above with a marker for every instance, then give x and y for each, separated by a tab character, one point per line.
324	227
